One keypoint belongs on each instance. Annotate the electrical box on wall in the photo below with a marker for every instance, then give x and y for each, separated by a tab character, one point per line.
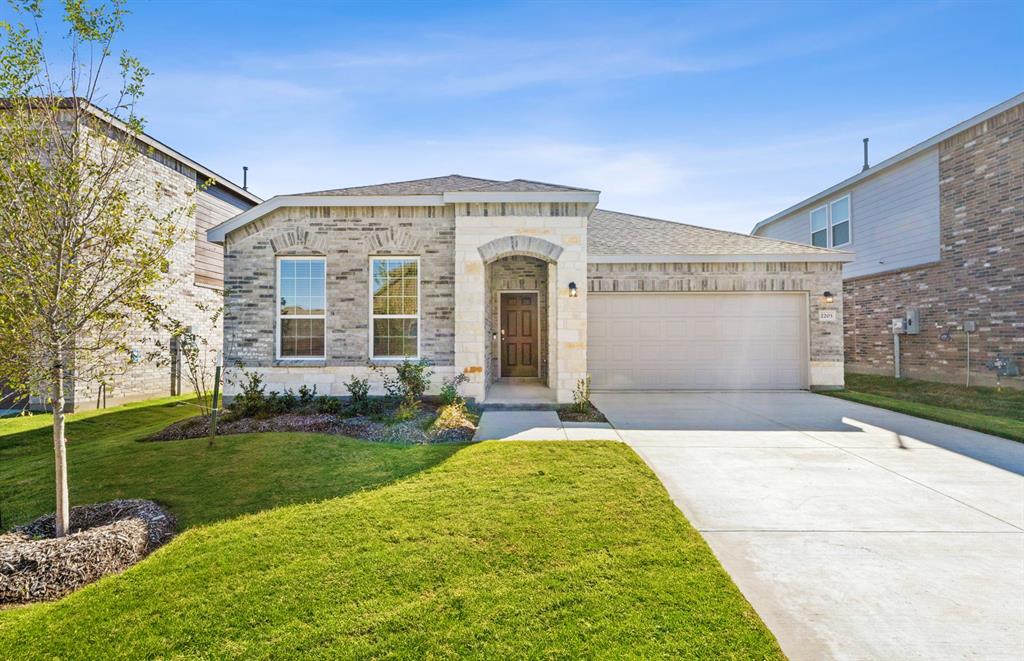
899	326
913	326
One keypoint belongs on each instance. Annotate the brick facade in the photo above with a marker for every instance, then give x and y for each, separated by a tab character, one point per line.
167	184
815	278
980	275
347	237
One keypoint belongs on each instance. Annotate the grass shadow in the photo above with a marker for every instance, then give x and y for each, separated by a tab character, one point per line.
240	474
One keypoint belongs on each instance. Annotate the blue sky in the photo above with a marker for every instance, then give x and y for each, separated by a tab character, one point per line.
714	114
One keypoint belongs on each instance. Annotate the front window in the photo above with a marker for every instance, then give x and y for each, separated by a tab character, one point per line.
301	307
830	224
819	227
395	307
839	216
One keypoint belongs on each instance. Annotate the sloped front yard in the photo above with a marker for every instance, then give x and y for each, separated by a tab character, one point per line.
488	550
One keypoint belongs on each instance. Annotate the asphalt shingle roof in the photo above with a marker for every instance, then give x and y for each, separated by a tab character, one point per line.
449	183
616	233
431	186
610	232
526	186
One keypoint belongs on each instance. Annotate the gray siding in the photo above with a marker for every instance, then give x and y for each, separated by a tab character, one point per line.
895	218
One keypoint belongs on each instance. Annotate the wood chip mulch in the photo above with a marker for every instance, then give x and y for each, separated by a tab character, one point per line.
104	538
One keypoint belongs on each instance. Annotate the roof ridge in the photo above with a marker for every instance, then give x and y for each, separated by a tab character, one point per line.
484	182
548	183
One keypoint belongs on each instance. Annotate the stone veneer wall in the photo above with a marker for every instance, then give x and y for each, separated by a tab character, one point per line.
516	273
815	278
347	237
167	185
980	275
479	224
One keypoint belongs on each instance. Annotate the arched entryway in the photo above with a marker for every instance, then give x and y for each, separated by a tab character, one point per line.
519	317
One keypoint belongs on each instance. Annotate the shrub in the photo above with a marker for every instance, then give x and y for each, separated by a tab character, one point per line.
450	389
328	405
407	410
306	396
452	416
251	400
410	381
359	392
581	395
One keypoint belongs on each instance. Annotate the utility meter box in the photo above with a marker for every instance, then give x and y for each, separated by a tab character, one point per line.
913	326
899	326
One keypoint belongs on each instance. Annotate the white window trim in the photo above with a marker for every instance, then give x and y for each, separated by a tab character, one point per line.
849	220
828	222
827	229
417	316
277	307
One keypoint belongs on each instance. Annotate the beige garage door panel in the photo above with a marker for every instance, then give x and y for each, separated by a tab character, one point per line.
697	341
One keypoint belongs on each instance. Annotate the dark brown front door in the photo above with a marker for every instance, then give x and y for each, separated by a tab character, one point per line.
519	340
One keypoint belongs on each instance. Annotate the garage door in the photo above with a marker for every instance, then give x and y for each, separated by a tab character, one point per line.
697	341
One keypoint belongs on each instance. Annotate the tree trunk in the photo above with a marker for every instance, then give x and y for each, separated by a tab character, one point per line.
61	521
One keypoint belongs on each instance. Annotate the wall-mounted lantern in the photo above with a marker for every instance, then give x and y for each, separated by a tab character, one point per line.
573	293
829	298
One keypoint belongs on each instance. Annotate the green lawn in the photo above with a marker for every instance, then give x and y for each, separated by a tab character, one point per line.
239	475
487	550
997	412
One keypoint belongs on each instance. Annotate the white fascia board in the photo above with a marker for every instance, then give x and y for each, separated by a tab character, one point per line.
532	196
150	141
837	256
217	234
898	158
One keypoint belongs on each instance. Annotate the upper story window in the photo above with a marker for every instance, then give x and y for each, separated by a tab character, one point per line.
301	311
395	307
830	224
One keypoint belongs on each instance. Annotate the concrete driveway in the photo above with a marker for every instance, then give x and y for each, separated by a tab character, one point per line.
856	533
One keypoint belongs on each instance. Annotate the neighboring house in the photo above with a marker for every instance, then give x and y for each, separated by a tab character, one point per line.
938	228
195	277
522	281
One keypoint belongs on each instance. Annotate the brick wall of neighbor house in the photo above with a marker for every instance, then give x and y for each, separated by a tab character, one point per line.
348	237
815	278
516	273
167	184
979	277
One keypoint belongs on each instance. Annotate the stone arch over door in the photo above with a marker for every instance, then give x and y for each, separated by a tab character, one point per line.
495	254
506	278
527	246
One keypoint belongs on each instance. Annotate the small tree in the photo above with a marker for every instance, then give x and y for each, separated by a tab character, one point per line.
80	249
195	350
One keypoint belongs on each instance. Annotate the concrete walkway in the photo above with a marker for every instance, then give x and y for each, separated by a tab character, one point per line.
856	533
539	426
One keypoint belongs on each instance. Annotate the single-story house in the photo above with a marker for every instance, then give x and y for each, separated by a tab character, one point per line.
520	281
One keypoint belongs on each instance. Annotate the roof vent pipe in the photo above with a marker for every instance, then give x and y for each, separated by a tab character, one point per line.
866	166
245	169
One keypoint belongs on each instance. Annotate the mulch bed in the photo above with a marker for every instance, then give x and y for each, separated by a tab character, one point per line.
103	538
414	431
571	414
